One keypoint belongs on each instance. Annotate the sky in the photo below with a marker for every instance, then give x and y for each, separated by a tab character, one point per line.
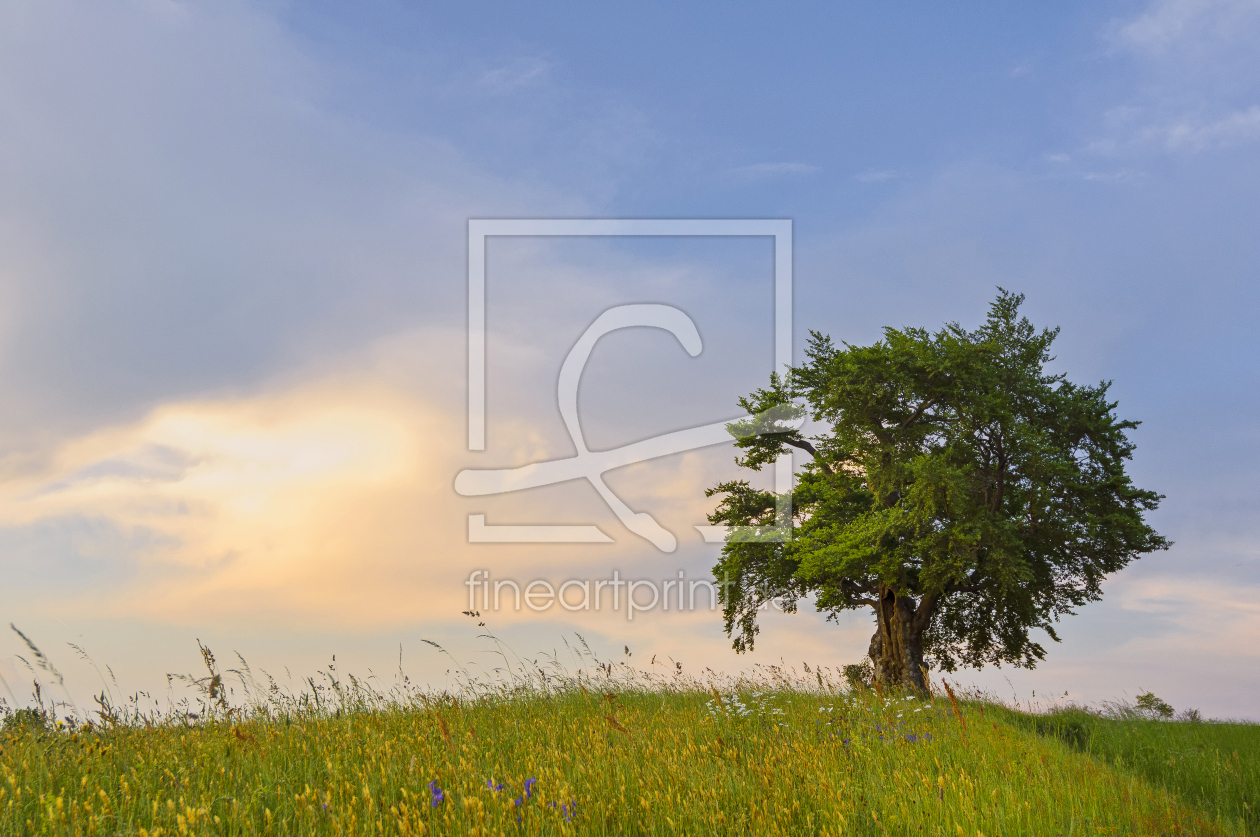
234	324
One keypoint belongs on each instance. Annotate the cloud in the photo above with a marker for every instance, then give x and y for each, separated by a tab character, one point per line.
231	309
1198	79
767	171
879	175
187	205
1137	135
1234	129
1208	628
1171	24
298	501
318	501
515	75
1118	176
1134	131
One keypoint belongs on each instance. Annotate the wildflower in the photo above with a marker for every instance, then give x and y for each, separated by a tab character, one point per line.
529	787
490	783
439	796
567	810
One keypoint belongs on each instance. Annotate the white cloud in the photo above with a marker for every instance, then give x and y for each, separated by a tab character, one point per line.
766	171
1198	73
186	206
1118	176
1210	623
1171	24
515	75
1236	128
878	175
1135	134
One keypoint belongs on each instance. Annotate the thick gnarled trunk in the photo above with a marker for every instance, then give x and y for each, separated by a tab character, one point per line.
897	646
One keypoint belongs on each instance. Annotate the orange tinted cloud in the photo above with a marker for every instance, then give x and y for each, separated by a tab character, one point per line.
321	500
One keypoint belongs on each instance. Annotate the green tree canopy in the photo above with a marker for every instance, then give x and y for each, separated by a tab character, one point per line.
955	487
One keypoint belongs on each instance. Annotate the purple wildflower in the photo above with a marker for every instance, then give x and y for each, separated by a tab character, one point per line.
490	783
568	810
529	787
439	796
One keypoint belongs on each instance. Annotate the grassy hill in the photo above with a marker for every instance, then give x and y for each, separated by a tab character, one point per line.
620	754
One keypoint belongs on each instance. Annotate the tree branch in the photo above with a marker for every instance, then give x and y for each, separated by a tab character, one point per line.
850	586
923	613
920	411
1001	476
807	446
972	585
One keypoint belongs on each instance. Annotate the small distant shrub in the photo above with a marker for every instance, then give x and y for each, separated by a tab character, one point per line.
1151	706
860	675
1190	716
23	720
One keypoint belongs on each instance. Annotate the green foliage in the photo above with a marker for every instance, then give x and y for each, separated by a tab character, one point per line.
1149	704
859	675
952	473
25	720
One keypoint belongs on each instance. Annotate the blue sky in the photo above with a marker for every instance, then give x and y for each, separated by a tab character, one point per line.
232	289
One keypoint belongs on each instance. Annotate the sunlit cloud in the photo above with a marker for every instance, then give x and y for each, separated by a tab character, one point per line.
1211	620
305	502
324	501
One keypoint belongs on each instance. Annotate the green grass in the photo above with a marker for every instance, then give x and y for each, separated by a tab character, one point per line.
650	760
612	750
1212	766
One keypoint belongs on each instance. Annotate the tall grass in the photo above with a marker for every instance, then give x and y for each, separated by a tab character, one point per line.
1214	766
596	748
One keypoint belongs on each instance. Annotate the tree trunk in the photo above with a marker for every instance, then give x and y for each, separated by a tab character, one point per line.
897	647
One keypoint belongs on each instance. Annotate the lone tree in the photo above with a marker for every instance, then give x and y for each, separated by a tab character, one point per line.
957	488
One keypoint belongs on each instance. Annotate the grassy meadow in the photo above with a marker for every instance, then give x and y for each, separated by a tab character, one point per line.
610	750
